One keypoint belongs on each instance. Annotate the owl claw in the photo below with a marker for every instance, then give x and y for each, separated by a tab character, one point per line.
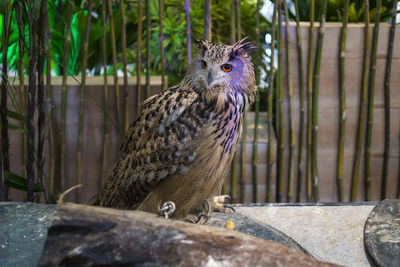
201	217
220	204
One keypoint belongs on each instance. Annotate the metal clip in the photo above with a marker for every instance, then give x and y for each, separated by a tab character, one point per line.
167	209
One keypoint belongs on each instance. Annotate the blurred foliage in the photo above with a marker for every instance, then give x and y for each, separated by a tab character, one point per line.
174	31
174	34
335	10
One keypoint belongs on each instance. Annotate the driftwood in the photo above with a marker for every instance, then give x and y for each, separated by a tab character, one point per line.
86	236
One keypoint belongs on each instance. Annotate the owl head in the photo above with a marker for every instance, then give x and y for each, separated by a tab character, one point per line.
217	67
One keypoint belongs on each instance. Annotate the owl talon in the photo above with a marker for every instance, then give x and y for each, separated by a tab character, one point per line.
201	218
220	204
229	207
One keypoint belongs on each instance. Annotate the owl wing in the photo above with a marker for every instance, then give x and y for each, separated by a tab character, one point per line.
161	142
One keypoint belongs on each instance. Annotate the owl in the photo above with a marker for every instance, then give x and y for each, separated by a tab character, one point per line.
181	145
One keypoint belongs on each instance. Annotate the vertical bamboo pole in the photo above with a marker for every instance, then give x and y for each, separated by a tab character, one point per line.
362	108
5	142
233	22
317	69
270	153
244	131
2	180
233	189
387	101
280	183
188	31
207	20
189	42
309	99
41	90
4	80
22	91
257	108
148	33
292	138
300	163
138	58
115	67
238	21
49	97
105	86
30	163
82	100
342	104
124	63
64	92
371	94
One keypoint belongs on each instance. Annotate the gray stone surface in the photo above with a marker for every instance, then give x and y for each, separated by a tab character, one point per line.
330	233
246	225
382	234
23	229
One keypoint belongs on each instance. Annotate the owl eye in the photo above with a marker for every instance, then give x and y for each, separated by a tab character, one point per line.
226	67
203	64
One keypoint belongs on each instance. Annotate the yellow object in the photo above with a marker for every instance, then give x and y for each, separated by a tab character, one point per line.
230	225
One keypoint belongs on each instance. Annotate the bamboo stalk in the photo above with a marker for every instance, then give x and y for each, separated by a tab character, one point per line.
317	70
189	42
106	101
30	163
5	143
148	33
238	21
270	153
342	104
124	64
280	183
41	91
244	131
82	100
232	22
257	109
49	104
64	92
371	94
2	180
300	167
309	99
115	67
362	108
188	32
398	180
138	58
292	138
387	101
207	20
22	91
233	189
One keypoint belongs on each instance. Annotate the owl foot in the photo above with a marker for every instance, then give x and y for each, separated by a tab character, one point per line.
220	204
201	217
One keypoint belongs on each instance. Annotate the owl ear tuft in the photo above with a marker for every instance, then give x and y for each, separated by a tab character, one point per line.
242	47
201	44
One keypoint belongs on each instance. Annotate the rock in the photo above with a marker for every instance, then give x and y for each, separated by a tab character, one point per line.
86	236
382	234
247	225
23	228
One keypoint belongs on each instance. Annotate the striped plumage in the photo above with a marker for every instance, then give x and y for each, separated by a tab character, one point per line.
180	147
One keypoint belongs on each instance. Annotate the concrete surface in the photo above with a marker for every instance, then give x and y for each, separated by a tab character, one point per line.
332	233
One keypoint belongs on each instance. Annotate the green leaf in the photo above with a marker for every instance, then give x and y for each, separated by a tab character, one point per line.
13	127
16	116
17	182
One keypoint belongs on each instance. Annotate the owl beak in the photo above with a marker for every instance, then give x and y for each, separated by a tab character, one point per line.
210	78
